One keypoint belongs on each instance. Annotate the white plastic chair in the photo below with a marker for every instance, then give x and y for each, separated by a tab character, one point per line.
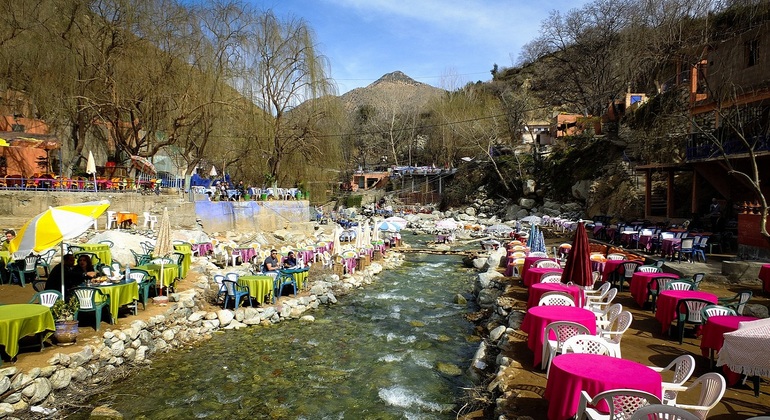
616	257
623	403
550	278
648	269
602	290
683	367
614	333
588	344
112	218
604	319
662	412
149	220
556	299
563	330
538	254
600	304
547	264
713	387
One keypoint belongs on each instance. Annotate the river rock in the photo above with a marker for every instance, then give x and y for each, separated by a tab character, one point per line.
527	203
225	316
141	353
498	332
196	316
80	374
5	409
42	387
9	371
5	384
460	299
61	378
82	357
105	412
118	348
756	310
448	369
168	335
470	211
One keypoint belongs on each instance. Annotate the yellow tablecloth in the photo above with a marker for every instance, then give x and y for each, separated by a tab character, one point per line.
21	320
101	250
186	250
300	276
259	287
120	294
170	272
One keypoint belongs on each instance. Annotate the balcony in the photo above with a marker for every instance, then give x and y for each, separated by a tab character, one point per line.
700	148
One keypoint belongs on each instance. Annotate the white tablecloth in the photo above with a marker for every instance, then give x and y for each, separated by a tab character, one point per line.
745	349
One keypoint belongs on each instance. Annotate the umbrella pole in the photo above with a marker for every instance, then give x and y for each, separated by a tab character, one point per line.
95	182
61	270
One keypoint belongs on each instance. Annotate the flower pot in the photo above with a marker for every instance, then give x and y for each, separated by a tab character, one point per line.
66	332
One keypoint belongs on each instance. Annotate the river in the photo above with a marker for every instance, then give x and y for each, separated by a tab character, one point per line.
373	355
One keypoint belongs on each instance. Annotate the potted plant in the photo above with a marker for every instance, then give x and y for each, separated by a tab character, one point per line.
64	317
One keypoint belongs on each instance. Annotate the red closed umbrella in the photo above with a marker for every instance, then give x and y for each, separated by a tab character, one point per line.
578	267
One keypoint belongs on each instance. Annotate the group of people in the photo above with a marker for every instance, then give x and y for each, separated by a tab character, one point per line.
272	263
74	274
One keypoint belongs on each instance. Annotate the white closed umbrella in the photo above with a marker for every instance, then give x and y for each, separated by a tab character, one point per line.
91	167
366	239
213	171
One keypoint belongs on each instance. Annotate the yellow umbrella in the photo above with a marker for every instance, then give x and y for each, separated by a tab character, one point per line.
55	225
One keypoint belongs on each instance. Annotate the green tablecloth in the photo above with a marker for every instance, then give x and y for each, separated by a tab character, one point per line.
300	276
186	250
21	320
101	250
259	287
170	272
120	294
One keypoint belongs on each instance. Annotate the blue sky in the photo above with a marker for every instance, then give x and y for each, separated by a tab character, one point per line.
444	43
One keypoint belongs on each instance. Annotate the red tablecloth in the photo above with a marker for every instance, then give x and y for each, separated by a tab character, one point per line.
627	238
538	317
639	285
713	331
764	275
667	246
536	291
645	242
593	373
533	275
609	268
668	301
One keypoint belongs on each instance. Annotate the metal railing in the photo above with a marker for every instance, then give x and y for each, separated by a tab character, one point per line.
702	147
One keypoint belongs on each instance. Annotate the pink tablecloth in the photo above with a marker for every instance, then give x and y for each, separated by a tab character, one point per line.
667	246
307	255
639	285
536	291
528	261
713	331
668	300
533	275
645	242
246	254
593	373
202	249
538	317
764	275
609	268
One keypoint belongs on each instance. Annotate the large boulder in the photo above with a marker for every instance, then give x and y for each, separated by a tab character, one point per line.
581	190
527	203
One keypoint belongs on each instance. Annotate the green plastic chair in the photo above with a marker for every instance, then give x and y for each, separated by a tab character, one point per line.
689	311
25	269
140	259
91	299
45	259
737	302
146	283
46	297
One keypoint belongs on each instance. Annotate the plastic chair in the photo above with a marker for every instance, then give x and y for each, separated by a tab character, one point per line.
281	280
107	242
614	333
145	281
589	344
140	259
686	247
178	259
713	387
88	302
546	264
689	311
717	310
46	297
648	269
623	273
556	299
616	257
45	259
221	291
24	268
622	403
660	284
737	302
662	412
601	305
538	254
235	292
112	219
683	367
550	278
563	330
679	284
149	220
603	289
604	319
147	247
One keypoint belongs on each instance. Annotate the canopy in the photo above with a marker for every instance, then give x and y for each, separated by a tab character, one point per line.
143	165
386	226
399	221
578	267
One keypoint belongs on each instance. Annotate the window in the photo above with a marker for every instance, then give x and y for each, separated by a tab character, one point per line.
752	52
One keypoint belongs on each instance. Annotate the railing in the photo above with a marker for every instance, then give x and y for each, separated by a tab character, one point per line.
77	184
701	147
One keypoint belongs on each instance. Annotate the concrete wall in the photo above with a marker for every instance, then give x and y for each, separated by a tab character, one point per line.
16	207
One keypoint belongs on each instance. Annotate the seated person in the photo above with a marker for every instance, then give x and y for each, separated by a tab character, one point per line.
84	269
10	234
5	274
72	279
290	261
271	264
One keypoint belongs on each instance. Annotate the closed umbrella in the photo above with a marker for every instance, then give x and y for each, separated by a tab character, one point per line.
163	245
578	267
143	165
366	235
213	172
55	225
91	167
336	242
359	238
538	244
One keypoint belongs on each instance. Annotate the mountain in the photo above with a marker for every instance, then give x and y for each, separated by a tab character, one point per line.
394	88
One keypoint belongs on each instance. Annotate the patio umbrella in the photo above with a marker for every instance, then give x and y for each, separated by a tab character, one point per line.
143	165
399	221
533	220
538	244
357	233
55	225
91	167
499	229
336	242
386	226
213	172
449	224
578	267
366	235
163	245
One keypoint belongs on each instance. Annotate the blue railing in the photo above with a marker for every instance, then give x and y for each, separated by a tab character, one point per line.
701	147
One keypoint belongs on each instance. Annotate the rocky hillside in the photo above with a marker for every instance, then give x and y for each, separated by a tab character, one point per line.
392	88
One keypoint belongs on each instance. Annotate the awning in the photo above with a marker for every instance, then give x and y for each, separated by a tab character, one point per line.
38	141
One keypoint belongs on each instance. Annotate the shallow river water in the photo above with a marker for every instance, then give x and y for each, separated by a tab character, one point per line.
373	355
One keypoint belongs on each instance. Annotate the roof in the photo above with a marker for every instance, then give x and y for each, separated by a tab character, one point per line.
19	139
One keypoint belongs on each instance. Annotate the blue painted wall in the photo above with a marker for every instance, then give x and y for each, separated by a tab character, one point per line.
219	216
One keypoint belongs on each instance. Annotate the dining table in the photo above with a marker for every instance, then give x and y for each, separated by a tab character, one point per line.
534	274
246	253
668	300
125	219
102	251
640	282
744	351
260	287
528	261
20	320
202	249
609	267
536	291
299	275
170	272
186	250
713	331
764	275
538	317
668	247
594	373
123	293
